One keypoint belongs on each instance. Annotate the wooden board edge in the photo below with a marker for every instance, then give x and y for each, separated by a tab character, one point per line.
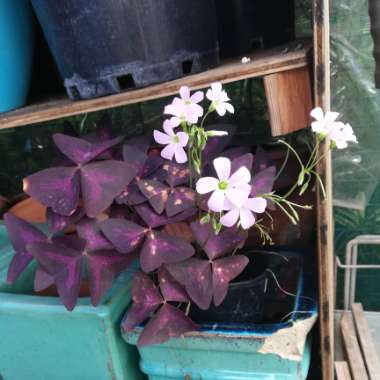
321	32
342	371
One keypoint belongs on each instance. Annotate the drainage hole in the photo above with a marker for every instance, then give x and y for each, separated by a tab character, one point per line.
187	66
126	82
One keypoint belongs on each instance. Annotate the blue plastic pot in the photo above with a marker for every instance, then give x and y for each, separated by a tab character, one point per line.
16	52
40	340
255	352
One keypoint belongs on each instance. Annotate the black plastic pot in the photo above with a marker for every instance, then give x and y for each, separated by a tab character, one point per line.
254	297
374	13
103	47
244	25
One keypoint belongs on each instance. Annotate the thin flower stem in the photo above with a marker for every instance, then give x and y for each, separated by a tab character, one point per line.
294	152
320	183
283	164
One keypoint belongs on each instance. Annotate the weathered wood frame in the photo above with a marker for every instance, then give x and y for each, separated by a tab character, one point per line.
321	26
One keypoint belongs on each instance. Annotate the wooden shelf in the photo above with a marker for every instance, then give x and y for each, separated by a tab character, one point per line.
262	63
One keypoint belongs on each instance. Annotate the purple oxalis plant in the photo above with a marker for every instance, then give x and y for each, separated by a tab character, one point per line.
107	210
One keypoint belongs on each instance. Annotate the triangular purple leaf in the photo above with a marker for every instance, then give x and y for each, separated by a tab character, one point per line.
217	245
180	199
263	181
81	151
152	164
131	196
171	289
236	152
160	248
169	322
177	174
262	160
153	220
215	145
64	265
58	222
245	160
124	234
89	230
58	188
103	268
134	157
102	182
42	279
146	299
139	142
223	271
195	275
156	193
20	233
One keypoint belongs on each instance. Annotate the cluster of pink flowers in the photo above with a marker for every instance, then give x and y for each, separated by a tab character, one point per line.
186	110
231	193
327	125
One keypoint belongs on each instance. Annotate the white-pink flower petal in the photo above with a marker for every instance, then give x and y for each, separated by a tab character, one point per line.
206	184
247	219
241	177
231	217
216	201
222	167
257	205
161	138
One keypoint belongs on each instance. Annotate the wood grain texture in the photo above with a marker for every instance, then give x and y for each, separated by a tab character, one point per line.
262	63
352	348
321	29
342	371
367	345
289	100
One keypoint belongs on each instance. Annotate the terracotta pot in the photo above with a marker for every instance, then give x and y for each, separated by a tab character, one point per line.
30	210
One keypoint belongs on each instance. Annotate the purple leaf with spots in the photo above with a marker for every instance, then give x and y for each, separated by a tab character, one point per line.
64	265
146	299
154	220
156	193
131	196
57	222
195	275
223	272
102	182
42	279
171	289
81	151
57	188
180	199
217	245
89	230
152	164
103	268
169	322
160	248
125	235
21	234
177	174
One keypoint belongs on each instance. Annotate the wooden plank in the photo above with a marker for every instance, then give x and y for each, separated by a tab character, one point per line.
352	348
367	344
321	34
342	371
262	63
289	100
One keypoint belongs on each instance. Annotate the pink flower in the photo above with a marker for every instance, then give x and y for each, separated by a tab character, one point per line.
186	108
219	99
175	142
323	122
226	186
341	134
243	213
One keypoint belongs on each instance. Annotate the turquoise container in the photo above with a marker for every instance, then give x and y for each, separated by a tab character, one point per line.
16	52
257	352
40	340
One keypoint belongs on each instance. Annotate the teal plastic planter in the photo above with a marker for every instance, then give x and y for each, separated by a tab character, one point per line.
16	52
40	340
258	352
